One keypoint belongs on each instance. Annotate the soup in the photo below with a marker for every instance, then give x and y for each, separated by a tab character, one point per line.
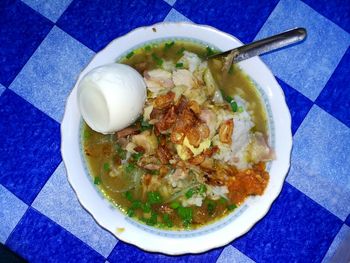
197	152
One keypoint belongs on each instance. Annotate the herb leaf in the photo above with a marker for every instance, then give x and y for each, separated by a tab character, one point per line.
157	59
185	214
154	197
168	45
97	180
106	167
129	55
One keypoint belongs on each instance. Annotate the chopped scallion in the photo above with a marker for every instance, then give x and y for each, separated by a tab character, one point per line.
128	195
231	207
174	205
168	45
234	106
129	167
121	153
179	65
97	180
106	167
180	51
129	55
185	214
131	212
137	156
154	197
210	51
157	59
190	193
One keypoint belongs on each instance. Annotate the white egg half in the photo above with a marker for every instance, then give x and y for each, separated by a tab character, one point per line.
111	97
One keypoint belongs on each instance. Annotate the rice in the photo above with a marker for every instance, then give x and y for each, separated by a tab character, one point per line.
236	153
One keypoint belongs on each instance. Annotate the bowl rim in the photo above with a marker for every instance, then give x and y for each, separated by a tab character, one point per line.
167	249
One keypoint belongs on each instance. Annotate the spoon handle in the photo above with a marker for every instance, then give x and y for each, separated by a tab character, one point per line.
265	45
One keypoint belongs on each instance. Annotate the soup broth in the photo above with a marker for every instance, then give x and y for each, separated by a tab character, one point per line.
198	150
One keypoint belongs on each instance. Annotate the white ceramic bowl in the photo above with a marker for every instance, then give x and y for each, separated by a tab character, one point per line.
214	235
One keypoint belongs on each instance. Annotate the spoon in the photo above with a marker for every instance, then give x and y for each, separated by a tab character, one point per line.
261	46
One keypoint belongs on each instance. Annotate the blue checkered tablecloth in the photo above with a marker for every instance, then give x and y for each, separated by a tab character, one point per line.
44	44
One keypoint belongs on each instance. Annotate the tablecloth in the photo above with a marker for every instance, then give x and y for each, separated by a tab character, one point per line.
44	44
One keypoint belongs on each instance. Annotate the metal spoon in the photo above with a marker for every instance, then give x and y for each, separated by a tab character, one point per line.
261	46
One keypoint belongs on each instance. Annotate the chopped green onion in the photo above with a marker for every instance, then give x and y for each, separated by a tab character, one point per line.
174	205
157	59
146	207
231	207
210	51
231	101
121	153
180	51
148	48
131	212
222	200
211	207
202	189
167	221
185	214
179	65
136	204
128	195
190	193
130	55
145	125
168	45
129	167
152	220
97	180
106	167
154	197
234	106
137	156
227	98
240	109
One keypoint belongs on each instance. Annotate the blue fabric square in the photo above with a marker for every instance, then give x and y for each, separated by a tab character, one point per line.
38	239
231	254
335	97
341	240
21	32
12	210
50	74
234	17
307	66
96	23
336	10
52	9
170	2
58	201
175	16
30	146
129	254
347	221
296	229
321	162
298	105
2	89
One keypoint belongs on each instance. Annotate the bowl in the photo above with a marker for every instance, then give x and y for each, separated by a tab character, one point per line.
213	235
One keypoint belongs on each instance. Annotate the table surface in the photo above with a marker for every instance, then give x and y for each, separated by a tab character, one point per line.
45	44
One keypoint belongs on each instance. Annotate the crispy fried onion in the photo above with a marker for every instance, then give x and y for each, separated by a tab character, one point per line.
225	131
